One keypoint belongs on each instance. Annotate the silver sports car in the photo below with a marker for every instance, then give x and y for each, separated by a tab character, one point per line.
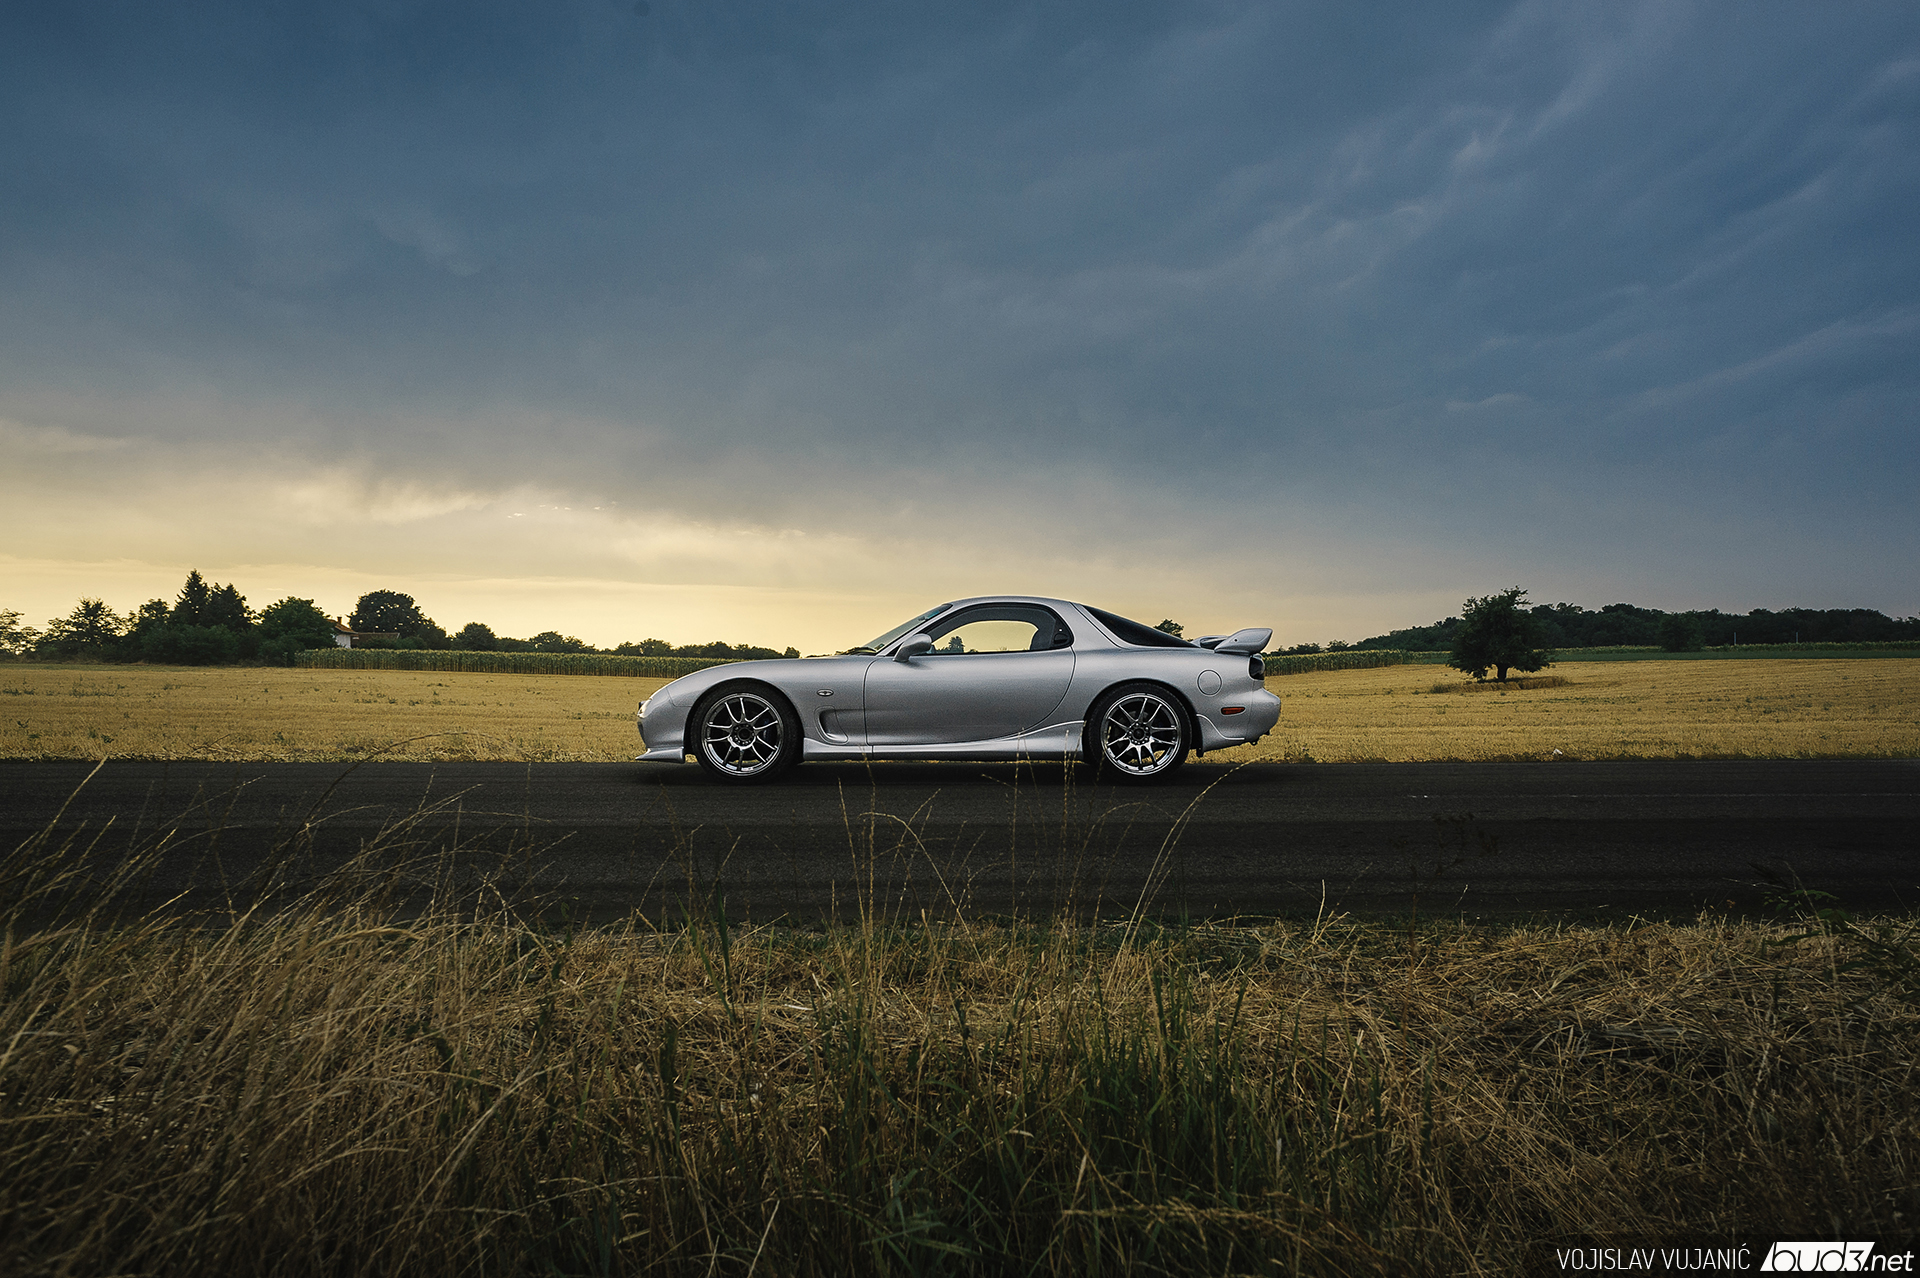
1004	677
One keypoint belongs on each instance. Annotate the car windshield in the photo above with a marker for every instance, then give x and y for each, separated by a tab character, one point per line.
905	627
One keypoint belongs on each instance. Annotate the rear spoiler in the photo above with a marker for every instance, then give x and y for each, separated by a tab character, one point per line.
1246	642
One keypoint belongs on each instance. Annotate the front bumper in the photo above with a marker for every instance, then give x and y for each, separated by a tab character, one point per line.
663	728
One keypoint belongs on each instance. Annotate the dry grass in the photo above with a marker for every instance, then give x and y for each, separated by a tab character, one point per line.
90	712
1763	709
339	1088
1649	709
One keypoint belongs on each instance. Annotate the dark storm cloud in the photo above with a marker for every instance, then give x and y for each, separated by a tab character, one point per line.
1464	273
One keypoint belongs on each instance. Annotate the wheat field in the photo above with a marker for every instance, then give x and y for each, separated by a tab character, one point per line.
1646	709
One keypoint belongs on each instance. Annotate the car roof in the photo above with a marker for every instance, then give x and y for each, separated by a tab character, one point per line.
1085	610
1026	599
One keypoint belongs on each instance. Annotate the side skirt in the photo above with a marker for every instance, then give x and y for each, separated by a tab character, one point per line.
1056	741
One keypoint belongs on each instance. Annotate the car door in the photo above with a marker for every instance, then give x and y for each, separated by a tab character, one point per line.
996	671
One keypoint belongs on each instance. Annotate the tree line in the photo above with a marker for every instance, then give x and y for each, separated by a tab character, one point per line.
1565	625
209	624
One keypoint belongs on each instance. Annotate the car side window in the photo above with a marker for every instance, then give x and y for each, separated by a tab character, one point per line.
1003	628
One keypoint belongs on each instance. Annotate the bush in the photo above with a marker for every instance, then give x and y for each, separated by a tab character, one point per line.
185	645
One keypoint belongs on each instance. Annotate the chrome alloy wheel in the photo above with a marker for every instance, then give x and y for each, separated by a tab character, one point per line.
741	735
1142	734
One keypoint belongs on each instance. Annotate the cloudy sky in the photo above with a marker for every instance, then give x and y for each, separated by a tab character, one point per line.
777	322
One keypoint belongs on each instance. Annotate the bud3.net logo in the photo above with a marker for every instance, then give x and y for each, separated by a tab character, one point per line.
1834	1258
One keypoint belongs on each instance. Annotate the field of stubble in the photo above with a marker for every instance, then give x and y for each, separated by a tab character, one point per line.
1647	709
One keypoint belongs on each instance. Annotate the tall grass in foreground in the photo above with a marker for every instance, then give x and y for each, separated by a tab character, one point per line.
353	1084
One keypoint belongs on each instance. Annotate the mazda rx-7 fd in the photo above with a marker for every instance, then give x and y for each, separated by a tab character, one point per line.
1008	677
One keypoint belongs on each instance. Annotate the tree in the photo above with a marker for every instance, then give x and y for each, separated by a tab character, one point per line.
189	609
388	612
1171	627
293	625
154	612
1499	632
1680	632
554	641
226	608
90	627
475	637
646	648
16	640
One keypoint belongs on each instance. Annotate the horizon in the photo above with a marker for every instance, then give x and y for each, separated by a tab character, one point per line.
528	632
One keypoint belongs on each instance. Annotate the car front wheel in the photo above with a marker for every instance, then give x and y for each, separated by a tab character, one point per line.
1137	732
744	734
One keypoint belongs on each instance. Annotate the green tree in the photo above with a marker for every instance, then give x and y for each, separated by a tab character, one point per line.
1680	632
1171	627
554	641
190	608
226	608
16	640
293	625
91	627
154	612
475	637
388	612
1498	632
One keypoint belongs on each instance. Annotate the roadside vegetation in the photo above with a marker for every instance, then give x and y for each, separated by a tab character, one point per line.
369	1076
1770	708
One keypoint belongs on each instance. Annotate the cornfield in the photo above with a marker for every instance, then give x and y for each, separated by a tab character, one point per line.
1352	659
549	663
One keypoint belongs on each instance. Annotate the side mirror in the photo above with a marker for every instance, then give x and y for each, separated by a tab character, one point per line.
914	646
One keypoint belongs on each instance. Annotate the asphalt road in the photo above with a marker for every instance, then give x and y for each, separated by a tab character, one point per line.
1479	839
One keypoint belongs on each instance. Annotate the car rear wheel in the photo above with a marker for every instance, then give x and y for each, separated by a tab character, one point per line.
1137	732
744	734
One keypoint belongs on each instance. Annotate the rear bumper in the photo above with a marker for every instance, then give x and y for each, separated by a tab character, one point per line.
1221	731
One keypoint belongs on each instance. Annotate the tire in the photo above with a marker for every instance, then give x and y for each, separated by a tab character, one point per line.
1137	732
743	733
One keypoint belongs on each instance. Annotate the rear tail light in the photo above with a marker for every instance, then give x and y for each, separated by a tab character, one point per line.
1257	667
